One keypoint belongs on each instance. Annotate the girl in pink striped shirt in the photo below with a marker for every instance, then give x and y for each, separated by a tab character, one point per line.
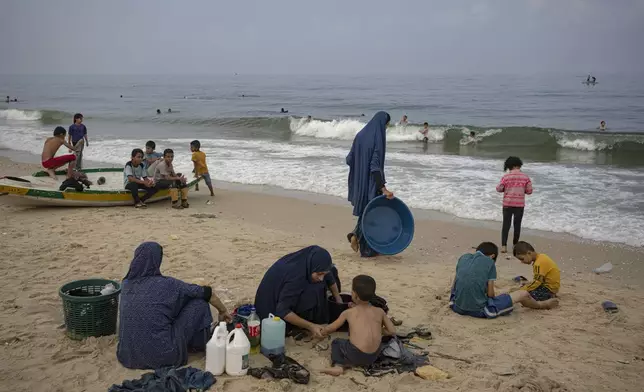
514	185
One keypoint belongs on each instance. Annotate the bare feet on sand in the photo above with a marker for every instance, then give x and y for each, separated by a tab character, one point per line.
354	243
334	371
550	303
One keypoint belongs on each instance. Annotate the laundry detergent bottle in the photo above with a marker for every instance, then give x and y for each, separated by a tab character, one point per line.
237	351
216	350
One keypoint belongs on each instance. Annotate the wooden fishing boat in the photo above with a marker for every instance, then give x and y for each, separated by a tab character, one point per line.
40	190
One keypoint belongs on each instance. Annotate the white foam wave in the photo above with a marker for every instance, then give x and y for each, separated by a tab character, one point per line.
586	201
20	115
347	130
582	143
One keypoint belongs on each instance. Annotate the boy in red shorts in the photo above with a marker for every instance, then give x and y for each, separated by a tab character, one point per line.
51	162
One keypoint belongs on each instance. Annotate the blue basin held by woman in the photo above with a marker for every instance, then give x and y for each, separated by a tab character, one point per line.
387	225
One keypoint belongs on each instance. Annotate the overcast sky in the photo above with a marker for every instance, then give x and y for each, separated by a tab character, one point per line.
319	37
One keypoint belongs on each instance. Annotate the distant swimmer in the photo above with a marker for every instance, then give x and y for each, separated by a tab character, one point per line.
308	118
121	96
425	132
472	137
8	99
362	115
283	111
158	111
403	120
602	125
594	79
169	110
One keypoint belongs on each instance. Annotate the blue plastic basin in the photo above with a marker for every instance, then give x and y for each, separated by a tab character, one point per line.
387	225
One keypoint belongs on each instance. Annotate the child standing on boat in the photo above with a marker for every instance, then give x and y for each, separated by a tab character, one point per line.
514	185
78	138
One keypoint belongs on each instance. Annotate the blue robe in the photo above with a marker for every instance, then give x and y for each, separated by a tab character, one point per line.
287	286
160	317
367	156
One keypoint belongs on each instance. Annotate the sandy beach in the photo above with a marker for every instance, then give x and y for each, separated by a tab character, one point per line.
576	347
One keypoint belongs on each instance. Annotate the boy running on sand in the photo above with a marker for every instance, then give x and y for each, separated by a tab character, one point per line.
547	277
51	162
201	168
365	329
514	185
473	289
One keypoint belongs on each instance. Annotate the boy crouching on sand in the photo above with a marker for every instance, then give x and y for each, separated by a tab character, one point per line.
365	329
166	178
473	290
547	277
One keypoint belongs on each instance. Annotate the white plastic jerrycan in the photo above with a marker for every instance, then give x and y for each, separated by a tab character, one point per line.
216	350
273	335
237	351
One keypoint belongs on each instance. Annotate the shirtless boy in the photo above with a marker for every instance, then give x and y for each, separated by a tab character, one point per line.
365	329
49	161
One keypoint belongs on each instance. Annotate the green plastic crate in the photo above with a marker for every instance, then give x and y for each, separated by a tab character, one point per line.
87	312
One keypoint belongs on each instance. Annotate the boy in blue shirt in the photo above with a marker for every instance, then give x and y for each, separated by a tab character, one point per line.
78	138
473	290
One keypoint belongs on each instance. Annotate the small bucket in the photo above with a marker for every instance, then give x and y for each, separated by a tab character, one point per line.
335	309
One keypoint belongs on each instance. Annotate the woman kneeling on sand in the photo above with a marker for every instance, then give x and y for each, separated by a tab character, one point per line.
294	289
366	162
161	318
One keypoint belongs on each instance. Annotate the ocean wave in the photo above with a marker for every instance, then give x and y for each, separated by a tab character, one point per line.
43	116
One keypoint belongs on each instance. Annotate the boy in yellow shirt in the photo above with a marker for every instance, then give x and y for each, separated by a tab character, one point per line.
201	168
547	277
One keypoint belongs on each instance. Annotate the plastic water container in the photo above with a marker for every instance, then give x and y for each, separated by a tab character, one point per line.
237	351
216	350
273	335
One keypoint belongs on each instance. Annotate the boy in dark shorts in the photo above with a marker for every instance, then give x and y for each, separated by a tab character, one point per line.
547	277
365	329
473	290
135	178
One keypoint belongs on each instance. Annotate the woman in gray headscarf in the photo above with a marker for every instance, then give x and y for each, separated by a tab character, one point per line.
161	318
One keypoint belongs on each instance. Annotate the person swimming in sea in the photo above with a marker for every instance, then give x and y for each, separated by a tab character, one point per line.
602	125
283	111
158	111
169	110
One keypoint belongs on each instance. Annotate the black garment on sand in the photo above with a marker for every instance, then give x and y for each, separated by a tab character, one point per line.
344	353
168	380
282	367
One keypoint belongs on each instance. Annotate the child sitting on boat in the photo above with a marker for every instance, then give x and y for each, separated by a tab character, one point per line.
166	178
136	178
50	162
151	158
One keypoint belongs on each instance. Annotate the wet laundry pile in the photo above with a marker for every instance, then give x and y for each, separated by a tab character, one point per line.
168	380
282	367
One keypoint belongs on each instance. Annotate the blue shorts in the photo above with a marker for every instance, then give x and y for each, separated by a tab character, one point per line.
206	178
501	305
